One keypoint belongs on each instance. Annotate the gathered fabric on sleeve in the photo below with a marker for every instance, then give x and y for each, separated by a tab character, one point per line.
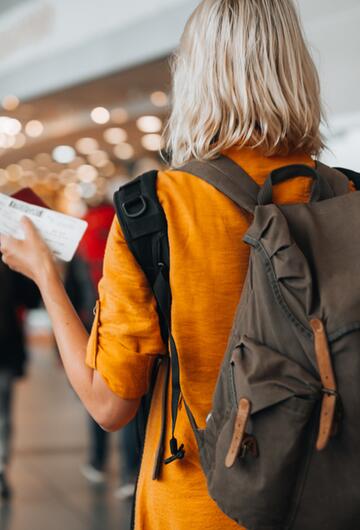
125	337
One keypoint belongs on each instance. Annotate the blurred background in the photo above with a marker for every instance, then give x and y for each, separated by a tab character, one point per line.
84	96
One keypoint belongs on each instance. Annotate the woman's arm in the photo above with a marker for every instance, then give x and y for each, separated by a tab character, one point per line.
32	258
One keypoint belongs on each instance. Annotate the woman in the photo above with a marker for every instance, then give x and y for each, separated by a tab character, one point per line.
245	86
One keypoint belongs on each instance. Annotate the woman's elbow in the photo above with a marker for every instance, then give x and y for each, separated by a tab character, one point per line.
116	416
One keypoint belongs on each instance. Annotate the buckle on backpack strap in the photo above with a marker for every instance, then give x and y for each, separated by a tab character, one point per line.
134	207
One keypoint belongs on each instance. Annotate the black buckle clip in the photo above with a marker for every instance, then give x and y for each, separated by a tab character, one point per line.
127	205
177	453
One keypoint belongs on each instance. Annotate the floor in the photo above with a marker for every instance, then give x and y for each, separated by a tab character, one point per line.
50	447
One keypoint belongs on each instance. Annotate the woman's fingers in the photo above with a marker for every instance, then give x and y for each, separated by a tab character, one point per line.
29	228
28	256
3	240
7	243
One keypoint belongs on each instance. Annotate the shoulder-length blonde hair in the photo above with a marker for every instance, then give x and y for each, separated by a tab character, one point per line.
243	76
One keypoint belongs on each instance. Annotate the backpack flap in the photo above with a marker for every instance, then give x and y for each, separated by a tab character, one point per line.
270	450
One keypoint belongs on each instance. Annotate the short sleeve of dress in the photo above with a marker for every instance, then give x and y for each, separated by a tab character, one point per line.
125	337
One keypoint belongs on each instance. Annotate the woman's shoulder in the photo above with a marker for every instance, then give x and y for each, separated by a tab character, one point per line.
177	188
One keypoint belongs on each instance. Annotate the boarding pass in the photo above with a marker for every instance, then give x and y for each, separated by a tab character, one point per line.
62	233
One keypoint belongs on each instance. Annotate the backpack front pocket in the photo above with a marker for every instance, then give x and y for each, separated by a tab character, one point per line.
258	486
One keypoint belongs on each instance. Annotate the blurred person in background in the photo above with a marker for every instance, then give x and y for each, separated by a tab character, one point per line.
16	294
81	283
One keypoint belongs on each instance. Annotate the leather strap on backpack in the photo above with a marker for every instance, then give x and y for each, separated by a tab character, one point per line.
330	400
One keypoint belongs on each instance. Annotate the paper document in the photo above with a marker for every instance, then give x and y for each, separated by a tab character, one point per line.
62	233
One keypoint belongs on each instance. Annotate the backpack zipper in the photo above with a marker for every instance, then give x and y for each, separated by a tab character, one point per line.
232	384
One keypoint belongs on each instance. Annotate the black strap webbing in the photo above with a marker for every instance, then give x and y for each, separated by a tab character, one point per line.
351	175
145	228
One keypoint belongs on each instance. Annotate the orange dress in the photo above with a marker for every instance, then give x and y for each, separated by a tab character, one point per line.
208	267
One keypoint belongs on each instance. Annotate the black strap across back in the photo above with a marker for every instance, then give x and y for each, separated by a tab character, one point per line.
144	225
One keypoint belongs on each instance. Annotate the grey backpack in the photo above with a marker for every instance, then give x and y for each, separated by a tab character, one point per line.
281	448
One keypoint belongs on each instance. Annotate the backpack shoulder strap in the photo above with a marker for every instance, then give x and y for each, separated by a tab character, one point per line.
351	175
144	225
237	185
244	191
338	181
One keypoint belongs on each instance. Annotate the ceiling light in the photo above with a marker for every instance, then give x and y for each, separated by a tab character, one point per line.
159	98
151	142
63	154
115	135
124	151
149	124
86	146
34	128
15	172
98	158
88	189
86	173
100	115
10	102
12	126
72	191
9	126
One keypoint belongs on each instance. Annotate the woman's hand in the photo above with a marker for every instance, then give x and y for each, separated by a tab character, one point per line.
31	256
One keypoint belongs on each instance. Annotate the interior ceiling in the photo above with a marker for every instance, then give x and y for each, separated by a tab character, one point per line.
66	114
6	5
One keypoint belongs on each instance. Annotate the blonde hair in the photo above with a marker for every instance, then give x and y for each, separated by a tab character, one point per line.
243	76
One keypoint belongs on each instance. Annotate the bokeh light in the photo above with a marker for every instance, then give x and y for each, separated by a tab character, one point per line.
152	142
100	115
86	145
149	124
124	151
10	102
34	128
115	135
63	154
159	98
